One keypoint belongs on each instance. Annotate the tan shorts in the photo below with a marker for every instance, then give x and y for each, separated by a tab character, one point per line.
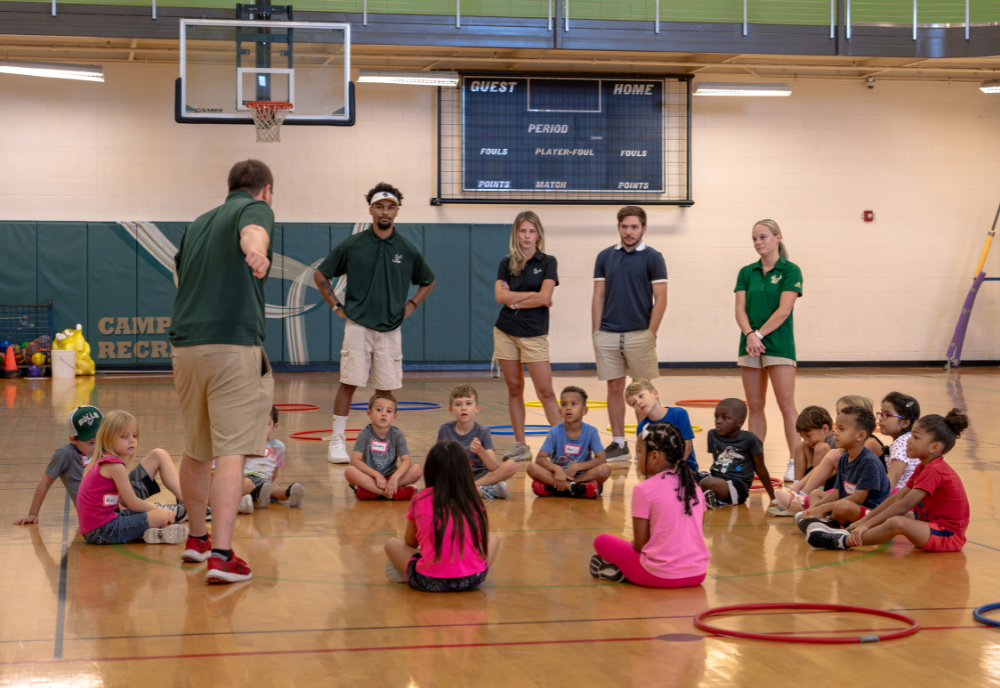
764	361
364	351
616	351
523	349
226	392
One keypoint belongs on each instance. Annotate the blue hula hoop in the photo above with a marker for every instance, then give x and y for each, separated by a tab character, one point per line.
978	615
403	406
499	430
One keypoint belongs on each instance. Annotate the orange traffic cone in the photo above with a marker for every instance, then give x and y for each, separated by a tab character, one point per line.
10	393
10	364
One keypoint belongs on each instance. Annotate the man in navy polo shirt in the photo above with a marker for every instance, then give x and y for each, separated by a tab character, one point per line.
630	298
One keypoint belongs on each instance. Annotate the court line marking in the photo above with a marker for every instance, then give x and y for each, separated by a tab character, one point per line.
57	651
982	545
351	629
390	648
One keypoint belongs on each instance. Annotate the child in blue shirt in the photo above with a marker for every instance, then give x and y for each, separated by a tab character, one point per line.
571	462
643	397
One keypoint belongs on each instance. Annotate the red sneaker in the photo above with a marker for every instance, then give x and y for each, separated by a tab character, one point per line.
594	489
362	493
541	489
405	493
197	550
232	571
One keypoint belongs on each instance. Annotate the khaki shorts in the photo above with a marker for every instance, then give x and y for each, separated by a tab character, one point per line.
366	350
523	349
764	361
616	351
226	392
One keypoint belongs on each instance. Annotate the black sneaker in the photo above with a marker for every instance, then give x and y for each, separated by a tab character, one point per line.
822	536
711	500
613	452
208	513
804	523
586	490
605	570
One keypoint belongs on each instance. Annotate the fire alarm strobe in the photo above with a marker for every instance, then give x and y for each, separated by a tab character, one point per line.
868	215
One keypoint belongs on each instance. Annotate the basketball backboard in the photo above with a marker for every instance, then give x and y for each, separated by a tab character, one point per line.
227	63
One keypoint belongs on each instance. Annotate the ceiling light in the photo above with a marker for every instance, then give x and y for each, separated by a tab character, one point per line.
990	86
703	89
53	71
374	76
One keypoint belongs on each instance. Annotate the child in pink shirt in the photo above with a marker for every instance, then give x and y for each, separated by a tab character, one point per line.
447	546
667	511
105	489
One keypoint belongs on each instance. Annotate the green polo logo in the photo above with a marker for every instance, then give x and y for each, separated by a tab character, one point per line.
398	259
775	279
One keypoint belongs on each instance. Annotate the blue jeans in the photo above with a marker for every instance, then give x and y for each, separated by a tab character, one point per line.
129	526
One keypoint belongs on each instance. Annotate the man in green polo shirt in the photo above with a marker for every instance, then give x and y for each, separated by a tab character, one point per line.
222	376
380	266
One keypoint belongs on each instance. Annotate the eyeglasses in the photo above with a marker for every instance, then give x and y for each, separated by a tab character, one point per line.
882	415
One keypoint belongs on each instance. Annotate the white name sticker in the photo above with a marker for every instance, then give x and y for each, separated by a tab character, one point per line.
110	500
849	488
573	450
380	447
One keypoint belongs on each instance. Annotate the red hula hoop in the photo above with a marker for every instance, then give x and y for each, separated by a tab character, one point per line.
821	640
304	435
760	486
698	403
289	408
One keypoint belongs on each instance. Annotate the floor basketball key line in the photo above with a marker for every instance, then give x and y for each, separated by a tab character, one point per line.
57	651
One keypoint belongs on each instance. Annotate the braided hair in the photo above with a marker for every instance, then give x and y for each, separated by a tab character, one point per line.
667	439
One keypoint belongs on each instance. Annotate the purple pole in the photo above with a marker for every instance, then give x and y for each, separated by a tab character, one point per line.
958	339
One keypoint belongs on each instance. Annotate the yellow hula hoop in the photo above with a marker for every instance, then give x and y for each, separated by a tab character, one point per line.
590	404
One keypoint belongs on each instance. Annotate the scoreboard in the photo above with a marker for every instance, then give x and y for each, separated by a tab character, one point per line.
562	134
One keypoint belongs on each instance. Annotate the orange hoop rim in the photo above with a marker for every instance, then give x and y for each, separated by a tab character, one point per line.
268	105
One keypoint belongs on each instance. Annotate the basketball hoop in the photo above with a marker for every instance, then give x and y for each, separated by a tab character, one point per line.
267	118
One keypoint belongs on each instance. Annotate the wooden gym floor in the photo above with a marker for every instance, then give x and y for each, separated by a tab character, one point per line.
320	612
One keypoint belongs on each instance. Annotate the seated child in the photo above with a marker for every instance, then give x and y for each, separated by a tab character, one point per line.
106	485
260	475
932	511
737	454
824	470
380	463
448	546
862	483
643	397
896	419
667	512
69	461
488	475
815	426
578	467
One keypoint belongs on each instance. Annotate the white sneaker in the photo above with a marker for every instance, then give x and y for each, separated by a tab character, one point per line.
264	497
166	536
518	452
246	505
790	471
337	452
392	574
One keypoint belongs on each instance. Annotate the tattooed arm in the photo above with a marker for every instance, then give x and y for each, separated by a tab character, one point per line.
326	290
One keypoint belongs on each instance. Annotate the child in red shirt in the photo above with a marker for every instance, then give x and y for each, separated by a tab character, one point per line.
932	511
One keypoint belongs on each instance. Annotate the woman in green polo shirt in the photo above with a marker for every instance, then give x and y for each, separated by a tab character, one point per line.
765	297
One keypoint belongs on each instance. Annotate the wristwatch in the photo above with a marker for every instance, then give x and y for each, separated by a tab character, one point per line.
338	305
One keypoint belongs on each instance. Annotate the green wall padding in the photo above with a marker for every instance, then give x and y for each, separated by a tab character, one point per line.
98	275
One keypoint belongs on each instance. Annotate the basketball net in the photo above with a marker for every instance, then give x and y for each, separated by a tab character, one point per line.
267	118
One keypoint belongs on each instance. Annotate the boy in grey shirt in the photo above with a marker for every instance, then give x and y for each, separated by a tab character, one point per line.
475	438
380	463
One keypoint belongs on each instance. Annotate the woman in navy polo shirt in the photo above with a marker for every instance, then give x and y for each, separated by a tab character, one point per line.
525	282
766	292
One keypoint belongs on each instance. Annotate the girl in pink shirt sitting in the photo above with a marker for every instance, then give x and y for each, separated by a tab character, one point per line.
105	487
667	511
447	546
